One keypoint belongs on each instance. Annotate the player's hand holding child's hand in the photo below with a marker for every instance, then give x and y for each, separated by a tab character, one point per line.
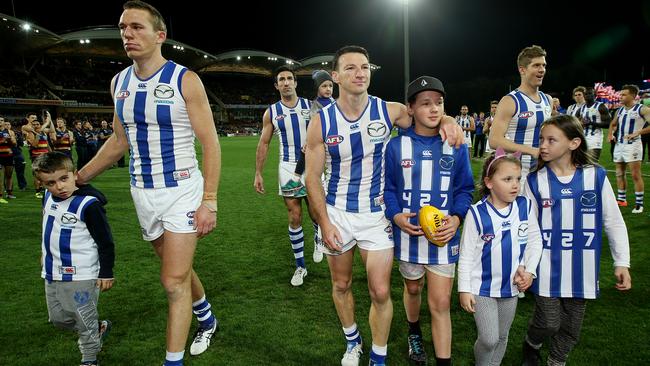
467	302
523	279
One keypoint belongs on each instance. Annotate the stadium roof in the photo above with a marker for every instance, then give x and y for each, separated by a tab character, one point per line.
21	39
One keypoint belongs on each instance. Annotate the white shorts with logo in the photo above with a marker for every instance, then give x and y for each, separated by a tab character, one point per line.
170	208
367	230
415	271
286	172
594	141
627	153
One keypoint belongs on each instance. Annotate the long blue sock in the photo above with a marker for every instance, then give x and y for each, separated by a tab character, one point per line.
297	238
352	334
205	317
174	358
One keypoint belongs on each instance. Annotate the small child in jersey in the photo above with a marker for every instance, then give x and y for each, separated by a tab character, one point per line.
499	252
77	252
575	202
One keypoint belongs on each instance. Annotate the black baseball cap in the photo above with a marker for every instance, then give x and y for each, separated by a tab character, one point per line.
424	83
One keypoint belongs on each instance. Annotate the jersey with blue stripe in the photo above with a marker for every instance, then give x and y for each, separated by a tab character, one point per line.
422	171
570	218
69	251
629	120
504	237
574	109
160	135
526	123
465	122
290	125
592	114
354	156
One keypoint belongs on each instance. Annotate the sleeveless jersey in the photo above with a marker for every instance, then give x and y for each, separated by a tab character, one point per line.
5	144
574	109
69	251
526	123
465	122
570	217
155	119
354	154
290	125
62	142
629	120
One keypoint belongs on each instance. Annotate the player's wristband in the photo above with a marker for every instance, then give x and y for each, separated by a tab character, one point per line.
211	205
209	196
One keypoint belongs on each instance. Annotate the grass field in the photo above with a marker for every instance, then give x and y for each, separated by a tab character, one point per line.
246	265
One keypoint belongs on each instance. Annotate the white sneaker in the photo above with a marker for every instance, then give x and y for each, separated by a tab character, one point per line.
352	354
202	339
298	276
318	255
637	209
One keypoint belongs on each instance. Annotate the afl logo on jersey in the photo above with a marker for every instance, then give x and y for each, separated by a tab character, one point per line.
163	91
123	94
407	163
376	129
487	238
526	115
547	202
333	140
280	117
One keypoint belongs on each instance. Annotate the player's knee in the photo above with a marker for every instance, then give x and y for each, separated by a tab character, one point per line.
176	285
380	293
439	304
414	288
342	286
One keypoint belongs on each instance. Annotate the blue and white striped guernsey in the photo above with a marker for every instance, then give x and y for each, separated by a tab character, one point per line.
591	114
424	170
290	125
574	109
570	217
527	121
504	238
354	152
155	119
64	224
629	120
465	122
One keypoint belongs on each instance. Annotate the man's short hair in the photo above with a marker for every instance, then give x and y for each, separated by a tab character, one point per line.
157	19
280	69
631	88
494	102
580	89
348	49
528	54
51	162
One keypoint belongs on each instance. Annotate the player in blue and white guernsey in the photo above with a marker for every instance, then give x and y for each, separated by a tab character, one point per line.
348	138
499	253
78	252
594	117
159	107
521	112
466	122
628	123
421	170
575	203
579	98
288	119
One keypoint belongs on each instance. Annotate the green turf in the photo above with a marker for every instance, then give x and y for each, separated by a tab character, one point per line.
246	265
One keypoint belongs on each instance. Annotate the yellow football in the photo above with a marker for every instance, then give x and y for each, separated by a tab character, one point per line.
430	219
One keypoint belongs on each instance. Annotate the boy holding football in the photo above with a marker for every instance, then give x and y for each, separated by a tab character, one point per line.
422	170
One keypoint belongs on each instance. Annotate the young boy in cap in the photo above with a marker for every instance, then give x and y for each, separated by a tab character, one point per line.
422	170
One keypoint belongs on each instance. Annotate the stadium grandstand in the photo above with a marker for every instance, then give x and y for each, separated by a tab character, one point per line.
69	74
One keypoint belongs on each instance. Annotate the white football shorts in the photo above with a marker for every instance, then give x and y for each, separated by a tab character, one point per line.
368	230
169	208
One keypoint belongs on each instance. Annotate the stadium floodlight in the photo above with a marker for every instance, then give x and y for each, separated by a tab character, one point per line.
26	26
238	58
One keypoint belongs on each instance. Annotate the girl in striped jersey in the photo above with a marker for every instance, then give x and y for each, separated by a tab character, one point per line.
575	202
499	252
